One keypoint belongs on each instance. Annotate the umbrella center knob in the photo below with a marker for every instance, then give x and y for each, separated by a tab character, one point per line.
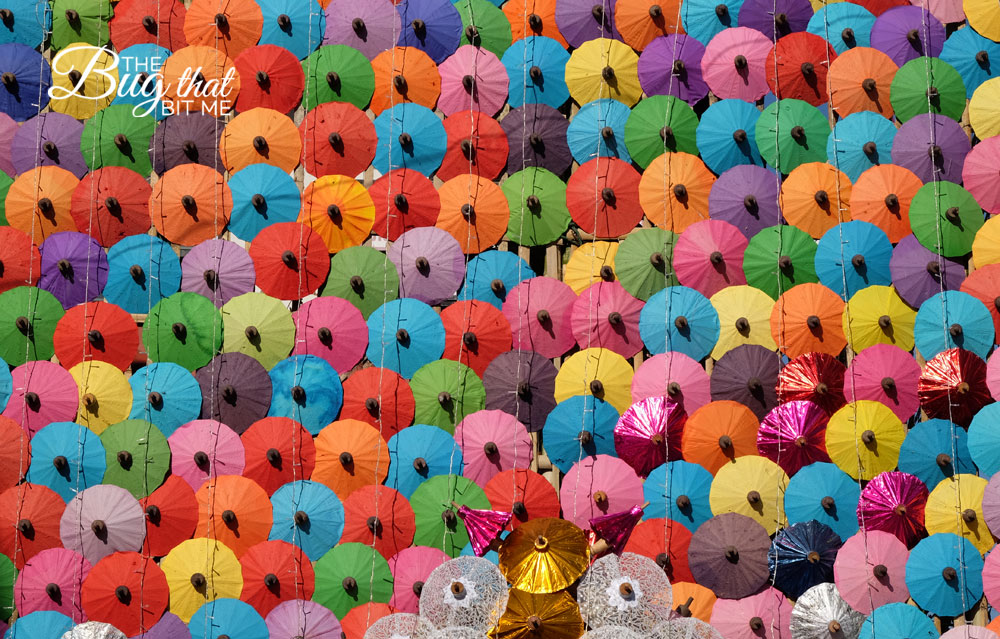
25	527
885	322
597	387
419	28
600	498
201	459
656	259
667	133
60	462
271	580
221	21
298	394
955	330
870	148
229	517
284	22
444	399
65	268
655	12
868	437
753	498
608	195
586	437
888	384
740	137
468	211
847	35
124	458
785	263
781	20
498	287
535	72
754	385
149	24
813	322
406	141
273	456
892	202
252	334
798	133
683	502
123	594
198	581
189	204
899	510
179	330
50	149
962	388
542	542
469	339
472	34
211	278
72	16
346	459
808	70
608	73
155	399
821	197
673	389
740	62
519	509
801	441
121	141
153	513
190	150
626	591
680	192
333	212
597	12
350	584
663	560
99	528
403	337
681	323
933	93
880	571
934	267
533	203
420	465
742	325
725	442
614	318
9	81
968	515
423	265
374	525
263	80
684	610
33	401
721	11
732	554
535	22
756	623
943	460
469	83
949	574
535	623
325	335
607	133
448	516
333	80
953	215
358	25
983	58
372	406
833	627
468	148
300	518
94	337
543	317
418	587
53	591
813	557
524	389
934	151
491	449
716	257
535	141
913	37
828	503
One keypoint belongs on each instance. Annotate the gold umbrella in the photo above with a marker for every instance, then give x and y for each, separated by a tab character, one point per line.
539	616
544	555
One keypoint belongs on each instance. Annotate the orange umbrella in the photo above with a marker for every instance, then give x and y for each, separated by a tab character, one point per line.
533	18
350	454
673	191
234	510
806	319
340	209
882	196
815	197
693	600
718	433
404	74
859	80
190	203
39	202
260	136
213	89
639	21
474	211
227	25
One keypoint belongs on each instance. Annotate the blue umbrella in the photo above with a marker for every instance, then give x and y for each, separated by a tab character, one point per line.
319	529
433	26
703	19
844	26
953	319
491	555
137	66
678	490
934	450
977	59
984	440
296	25
6	384
410	136
262	195
859	142
535	68
807	493
898	621
26	91
307	389
856	253
29	21
403	335
944	574
491	274
43	624
142	270
598	129
229	617
418	453
165	394
802	556
719	136
565	441
67	458
679	319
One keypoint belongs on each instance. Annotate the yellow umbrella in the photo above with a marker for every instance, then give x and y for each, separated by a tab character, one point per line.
105	394
956	506
986	244
603	68
259	326
339	209
599	372
200	570
69	68
590	263
744	318
751	486
542	616
544	555
878	315
984	109
863	439
984	17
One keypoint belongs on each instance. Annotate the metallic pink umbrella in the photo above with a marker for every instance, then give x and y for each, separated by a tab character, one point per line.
410	568
606	316
673	375
793	435
708	256
539	311
991	578
597	486
894	502
991	504
298	619
492	441
43	393
472	79
101	520
764	615
484	527
979	174
734	64
649	433
51	580
205	448
870	570
886	374
333	329
430	263
616	529
219	270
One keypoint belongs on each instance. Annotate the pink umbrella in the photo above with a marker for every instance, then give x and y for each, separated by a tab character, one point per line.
606	316
870	570
793	435
101	520
993	374
298	619
979	174
333	329
472	79
492	441
674	375
539	311
51	580
205	448
991	504
430	262
43	393
734	64
886	374
708	256
764	615
649	433
410	568
894	502
991	578
596	486
8	126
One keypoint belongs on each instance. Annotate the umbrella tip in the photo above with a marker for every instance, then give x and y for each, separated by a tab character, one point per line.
444	398
732	554
289	260
880	571
722	11
681	323
346	459
756	623
847	35
155	399
868	84
943	460
301	518
198	581
469	82
374	525
372	406
740	137
982	58
913	37
519	509
420	465
968	515
472	34
807	69
357	284
753	498
53	591
585	437
123	594
828	503
813	322
600	498
535	73
153	513
655	12
358	25
821	389
608	73
949	574
418	587
200	459
124	458
25	527
740	62
833	627
535	22
955	330
597	388
535	622
72	15
597	11
448	516
221	21
284	22
179	330
680	192
271	580
870	148
33	401
273	456
813	557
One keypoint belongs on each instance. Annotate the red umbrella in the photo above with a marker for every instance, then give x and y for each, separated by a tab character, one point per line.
666	542
126	590
29	519
797	66
337	139
606	316
477	144
953	386
291	260
380	397
97	331
359	619
475	332
492	441
984	284
708	256
16	453
171	516
378	516
410	568
271	77
51	580
275	571
20	259
278	450
149	22
523	493
404	199
816	377
111	203
602	196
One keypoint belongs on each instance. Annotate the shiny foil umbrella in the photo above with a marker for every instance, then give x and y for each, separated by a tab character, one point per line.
728	554
579	427
544	555
894	502
953	385
793	435
933	146
678	490
553	615
171	513
933	586
866	378
918	273
521	383
322	322
219	270
821	610
802	556
598	486
51	580
816	377
718	433
101	520
747	374
649	432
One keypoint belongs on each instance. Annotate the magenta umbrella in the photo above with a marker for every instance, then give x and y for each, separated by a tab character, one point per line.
472	79
410	568
991	505
765	614
596	486
991	578
51	580
870	570
299	619
430	263
673	375
333	329
101	520
492	441
886	374
671	65
606	316
219	270
205	448
649	432
734	64
894	502
793	435
540	314
708	256
43	393
979	174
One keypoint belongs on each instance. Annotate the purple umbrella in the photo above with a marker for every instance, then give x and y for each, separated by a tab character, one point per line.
746	196
8	126
671	65
917	273
101	520
219	270
235	390
371	27
49	139
302	619
906	33
521	383
776	18
430	263
169	626
583	20
74	267
186	138
536	134
748	374
932	146
991	504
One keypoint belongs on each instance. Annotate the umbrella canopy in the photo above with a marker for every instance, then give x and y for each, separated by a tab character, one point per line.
578	427
186	138
544	129
815	198
474	211
708	256
597	486
101	520
735	61
18	453
231	27
477	601
603	67
606	316
882	195
297	617
339	209
728	554
953	385
430	263
544	555
806	127
281	255
259	326
765	612
859	142
433	26
943	218
410	569
138	456
894	502
235	389
649	432
403	199
523	493
171	515
32	77
643	596
726	138
927	85
235	510
39	202
835	508
535	67
691	327
802	556
492	441
579	23
322	322
20	259
410	136
219	270
602	197
403	335
116	137
48	139
807	319
370	28
278	78
869	452
674	191
598	372
642	262
184	328
199	571
204	448
982	284
659	124
976	173
870	570
845	27
418	453
817	377
867	379
363	276
112	203
678	490
935	450
751	486
779	258
800	64
747	198
349	455
67	458
933	147
936	588
380	517
403	62
225	615
174	204
553	615
963	493
969	324
970	55
877	315
73	267
475	334
445	392
671	65
522	384
488	151
539	311
793	435
126	590
541	216
906	33
339	73
275	571
431	502
41	509
277	451
747	374
51	580
380	397
744	317
296	506
718	433
667	543
110	333
43	393
142	270
918	273
821	610
472	78
598	129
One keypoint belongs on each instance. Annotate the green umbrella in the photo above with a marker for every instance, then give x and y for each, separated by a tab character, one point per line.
8	575
945	217
349	575
362	276
643	262
792	132
927	85
778	258
537	201
338	73
5	182
658	124
259	326
445	391
80	21
437	524
116	137
484	25
28	318
184	328
138	456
